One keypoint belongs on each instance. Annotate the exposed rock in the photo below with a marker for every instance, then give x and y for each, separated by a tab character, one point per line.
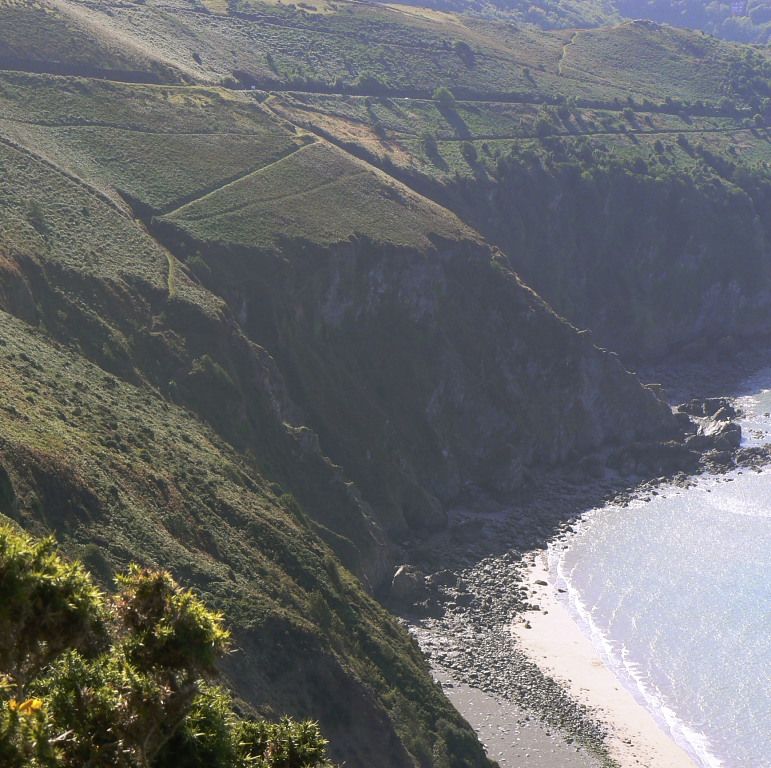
726	435
465	599
684	421
714	405
724	414
408	586
443	578
721	458
657	457
709	407
700	442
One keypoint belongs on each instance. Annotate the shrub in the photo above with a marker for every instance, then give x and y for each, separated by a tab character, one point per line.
367	82
444	96
544	127
469	152
46	607
120	682
428	140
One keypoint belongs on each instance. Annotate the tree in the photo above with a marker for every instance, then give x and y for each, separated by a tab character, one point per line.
444	96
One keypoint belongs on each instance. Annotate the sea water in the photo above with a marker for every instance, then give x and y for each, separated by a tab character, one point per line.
675	593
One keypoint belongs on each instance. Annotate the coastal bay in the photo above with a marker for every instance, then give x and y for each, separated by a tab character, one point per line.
517	635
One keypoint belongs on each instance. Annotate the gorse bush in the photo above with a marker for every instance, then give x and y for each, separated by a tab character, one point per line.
91	681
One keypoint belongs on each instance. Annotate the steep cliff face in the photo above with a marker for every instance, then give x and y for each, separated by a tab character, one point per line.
650	263
426	372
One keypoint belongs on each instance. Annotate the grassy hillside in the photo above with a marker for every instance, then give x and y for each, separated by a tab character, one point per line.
746	22
377	49
121	475
683	114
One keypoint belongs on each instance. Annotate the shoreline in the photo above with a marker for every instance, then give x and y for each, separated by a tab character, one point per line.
509	733
553	640
492	634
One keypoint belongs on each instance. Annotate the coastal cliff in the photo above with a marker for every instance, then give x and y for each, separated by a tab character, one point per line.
239	347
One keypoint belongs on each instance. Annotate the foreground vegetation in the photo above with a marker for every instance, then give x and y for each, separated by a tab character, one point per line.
120	681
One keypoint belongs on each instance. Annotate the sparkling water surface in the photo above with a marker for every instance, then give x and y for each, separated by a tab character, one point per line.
675	593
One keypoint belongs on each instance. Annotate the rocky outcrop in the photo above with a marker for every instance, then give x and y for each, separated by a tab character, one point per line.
426	373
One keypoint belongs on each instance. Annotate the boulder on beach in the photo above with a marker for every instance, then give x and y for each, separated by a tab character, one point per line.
408	586
725	435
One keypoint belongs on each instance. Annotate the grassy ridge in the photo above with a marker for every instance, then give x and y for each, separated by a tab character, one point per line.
316	193
382	49
49	37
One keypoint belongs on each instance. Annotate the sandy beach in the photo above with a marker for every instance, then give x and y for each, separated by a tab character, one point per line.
553	641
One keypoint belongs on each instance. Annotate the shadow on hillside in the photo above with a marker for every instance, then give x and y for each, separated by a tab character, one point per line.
481	527
455	121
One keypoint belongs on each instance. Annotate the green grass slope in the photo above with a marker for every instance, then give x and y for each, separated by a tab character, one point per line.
316	193
382	49
42	36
